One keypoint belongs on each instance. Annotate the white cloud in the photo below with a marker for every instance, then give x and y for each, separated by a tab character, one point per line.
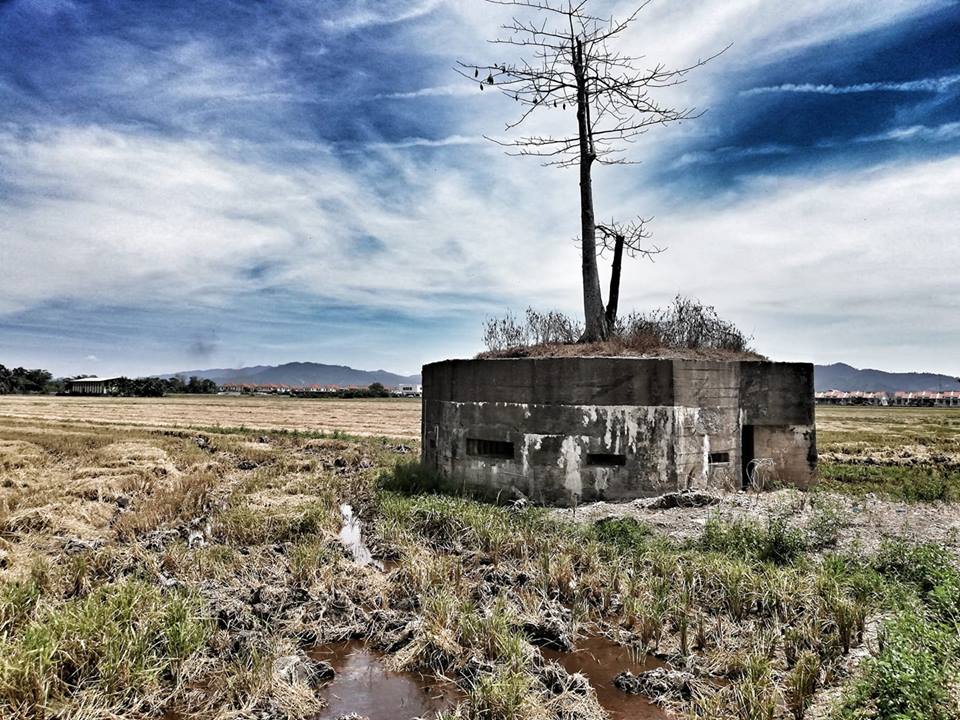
936	85
938	133
706	157
113	217
364	13
849	265
461	88
426	142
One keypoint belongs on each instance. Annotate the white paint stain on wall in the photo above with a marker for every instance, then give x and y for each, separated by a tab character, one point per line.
530	442
706	460
569	460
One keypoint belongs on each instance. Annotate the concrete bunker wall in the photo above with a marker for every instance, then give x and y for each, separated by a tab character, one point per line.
567	430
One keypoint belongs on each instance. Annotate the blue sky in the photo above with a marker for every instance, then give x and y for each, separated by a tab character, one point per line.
201	183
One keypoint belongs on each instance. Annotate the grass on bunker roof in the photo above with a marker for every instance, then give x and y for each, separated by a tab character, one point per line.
107	609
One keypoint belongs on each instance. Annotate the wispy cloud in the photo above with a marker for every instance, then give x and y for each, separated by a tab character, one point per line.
364	13
723	154
930	85
244	223
938	133
452	90
921	133
425	142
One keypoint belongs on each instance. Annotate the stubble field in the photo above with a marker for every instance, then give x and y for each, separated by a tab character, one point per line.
393	417
181	558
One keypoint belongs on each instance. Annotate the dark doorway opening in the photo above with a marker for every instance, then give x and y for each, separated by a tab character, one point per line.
746	454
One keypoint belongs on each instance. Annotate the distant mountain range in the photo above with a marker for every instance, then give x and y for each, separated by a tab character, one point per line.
299	373
840	376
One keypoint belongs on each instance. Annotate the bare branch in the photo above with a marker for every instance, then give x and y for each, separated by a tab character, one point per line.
633	237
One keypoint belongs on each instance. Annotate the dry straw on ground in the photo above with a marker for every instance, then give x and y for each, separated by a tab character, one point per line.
149	568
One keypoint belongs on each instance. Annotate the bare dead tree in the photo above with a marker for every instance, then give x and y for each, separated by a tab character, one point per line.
619	238
573	65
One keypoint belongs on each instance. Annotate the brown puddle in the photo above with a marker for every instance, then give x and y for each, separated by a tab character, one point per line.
601	660
364	685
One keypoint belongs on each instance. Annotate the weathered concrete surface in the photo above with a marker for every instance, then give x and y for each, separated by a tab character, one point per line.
569	430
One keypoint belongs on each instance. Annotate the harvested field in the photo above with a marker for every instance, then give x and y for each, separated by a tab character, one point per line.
910	454
393	417
152	569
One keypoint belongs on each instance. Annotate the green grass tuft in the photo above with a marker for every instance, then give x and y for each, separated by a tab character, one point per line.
120	641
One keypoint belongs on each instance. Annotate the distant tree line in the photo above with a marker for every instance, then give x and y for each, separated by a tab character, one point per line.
376	390
194	386
158	387
21	380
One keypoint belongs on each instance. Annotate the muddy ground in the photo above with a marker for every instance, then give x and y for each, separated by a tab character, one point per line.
150	570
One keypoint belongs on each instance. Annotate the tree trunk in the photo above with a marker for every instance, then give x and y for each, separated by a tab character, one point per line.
613	299
593	311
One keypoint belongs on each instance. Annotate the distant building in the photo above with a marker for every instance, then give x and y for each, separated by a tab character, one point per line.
855	397
251	388
949	399
92	386
408	390
926	398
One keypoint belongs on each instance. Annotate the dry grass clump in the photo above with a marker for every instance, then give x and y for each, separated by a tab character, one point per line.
685	329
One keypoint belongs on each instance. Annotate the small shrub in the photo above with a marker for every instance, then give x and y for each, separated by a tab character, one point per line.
537	328
246	525
505	694
17	602
924	565
829	518
688	324
755	696
306	559
776	542
910	678
625	533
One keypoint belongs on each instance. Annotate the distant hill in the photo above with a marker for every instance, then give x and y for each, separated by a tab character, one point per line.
840	376
300	373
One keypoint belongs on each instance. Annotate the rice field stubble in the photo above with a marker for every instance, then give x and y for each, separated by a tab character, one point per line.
149	568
